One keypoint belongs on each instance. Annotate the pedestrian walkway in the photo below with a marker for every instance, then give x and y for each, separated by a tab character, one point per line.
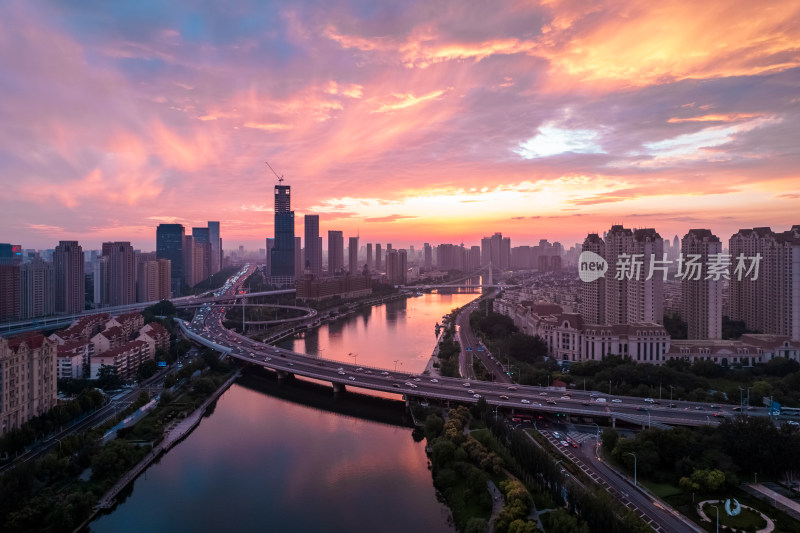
780	501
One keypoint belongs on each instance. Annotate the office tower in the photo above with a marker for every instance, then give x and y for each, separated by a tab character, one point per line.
37	289
335	252
369	256
505	253
189	257
216	247
388	247
701	294
486	251
428	253
629	296
203	253
268	267
765	280
28	376
10	253
169	245
70	284
497	250
352	253
313	257
9	291
396	267
283	251
676	248
121	273
378	257
593	296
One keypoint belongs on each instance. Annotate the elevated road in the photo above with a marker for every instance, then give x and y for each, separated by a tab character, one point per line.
206	328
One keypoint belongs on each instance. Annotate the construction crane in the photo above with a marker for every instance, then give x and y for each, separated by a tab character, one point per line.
280	178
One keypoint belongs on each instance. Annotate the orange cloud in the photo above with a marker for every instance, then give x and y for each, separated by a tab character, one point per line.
728	117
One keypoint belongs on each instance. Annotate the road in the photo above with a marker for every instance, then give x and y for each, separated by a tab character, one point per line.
661	519
206	328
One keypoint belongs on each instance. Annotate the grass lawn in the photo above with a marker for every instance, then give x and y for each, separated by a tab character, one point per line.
662	490
745	519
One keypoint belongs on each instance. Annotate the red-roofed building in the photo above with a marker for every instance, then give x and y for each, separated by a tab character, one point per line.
83	329
130	323
108	339
27	379
156	336
72	357
125	358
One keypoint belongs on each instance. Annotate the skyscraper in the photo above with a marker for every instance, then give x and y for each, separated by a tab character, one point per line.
9	291
69	282
270	246
378	257
335	252
369	256
37	289
701	298
203	253
765	280
396	267
121	273
593	294
169	245
282	261
428	252
352	253
313	247
216	247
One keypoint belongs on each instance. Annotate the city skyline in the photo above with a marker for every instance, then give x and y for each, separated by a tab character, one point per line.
537	121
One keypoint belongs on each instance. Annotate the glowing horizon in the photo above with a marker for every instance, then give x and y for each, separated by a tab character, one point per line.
396	122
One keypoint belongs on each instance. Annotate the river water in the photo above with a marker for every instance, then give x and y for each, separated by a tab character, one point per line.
275	457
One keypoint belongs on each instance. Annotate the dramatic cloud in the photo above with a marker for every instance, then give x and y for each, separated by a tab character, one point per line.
406	122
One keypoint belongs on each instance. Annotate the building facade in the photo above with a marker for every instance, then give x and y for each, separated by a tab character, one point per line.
69	278
169	245
282	261
701	294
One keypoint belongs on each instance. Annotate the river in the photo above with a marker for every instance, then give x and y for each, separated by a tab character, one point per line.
274	457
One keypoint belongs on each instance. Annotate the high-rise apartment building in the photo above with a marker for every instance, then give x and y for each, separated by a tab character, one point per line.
70	284
282	263
298	258
593	294
632	295
369	256
28	376
701	293
9	291
169	245
203	253
352	254
313	259
121	272
268	266
397	267
765	280
37	289
428	256
153	280
335	252
189	257
378	259
497	250
474	260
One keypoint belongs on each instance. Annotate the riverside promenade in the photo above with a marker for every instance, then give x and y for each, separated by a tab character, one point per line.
172	436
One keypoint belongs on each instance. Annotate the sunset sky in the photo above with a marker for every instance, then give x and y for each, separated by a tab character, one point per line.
402	121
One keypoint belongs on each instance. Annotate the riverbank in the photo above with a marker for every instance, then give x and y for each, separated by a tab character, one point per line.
172	436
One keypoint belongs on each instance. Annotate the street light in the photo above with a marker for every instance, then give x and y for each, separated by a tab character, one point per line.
598	432
355	357
634	466
717	508
395	364
670	395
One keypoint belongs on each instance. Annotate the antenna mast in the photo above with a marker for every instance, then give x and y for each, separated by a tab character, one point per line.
280	178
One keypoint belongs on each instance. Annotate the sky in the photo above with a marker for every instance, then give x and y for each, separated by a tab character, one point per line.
401	122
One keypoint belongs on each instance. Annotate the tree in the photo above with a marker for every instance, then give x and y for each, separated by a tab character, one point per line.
610	439
107	378
522	526
476	525
146	369
434	425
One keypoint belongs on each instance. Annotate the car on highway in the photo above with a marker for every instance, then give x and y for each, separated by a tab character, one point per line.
640	408
341	372
503	397
542	394
470	391
557	435
384	373
476	395
407	383
352	378
512	388
616	400
417	379
551	402
565	443
434	380
525	401
290	364
268	359
396	385
566	398
466	384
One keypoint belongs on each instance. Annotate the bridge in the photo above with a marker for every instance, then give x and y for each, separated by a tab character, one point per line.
206	328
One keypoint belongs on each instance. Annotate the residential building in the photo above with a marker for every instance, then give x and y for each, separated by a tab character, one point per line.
28	378
169	245
9	291
37	289
69	278
121	273
313	257
701	293
593	294
397	267
216	247
335	252
352	254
